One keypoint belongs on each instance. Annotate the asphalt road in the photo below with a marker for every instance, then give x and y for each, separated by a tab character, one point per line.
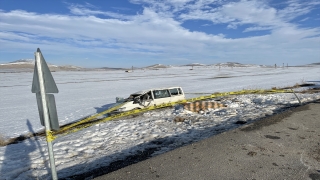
283	146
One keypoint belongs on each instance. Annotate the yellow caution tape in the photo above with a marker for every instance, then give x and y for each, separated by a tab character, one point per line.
81	124
89	118
49	136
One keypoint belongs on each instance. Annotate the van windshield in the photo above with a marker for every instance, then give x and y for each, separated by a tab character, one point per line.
140	97
132	97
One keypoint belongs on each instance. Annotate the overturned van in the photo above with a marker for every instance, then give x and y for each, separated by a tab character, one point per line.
151	97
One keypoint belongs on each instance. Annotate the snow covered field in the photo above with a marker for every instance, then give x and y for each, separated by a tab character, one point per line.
85	93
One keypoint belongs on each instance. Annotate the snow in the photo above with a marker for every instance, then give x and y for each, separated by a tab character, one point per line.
195	64
20	62
84	93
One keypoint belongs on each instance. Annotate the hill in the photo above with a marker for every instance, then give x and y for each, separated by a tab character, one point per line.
157	66
27	65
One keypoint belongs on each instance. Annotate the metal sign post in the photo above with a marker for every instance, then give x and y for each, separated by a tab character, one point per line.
43	83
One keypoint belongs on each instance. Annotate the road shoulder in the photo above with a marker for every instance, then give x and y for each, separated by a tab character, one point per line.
283	146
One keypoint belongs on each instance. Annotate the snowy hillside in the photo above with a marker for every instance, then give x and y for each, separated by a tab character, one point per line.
234	64
195	64
22	61
27	65
315	64
157	66
82	93
117	143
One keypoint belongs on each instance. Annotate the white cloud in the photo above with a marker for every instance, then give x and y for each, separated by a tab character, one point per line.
148	26
16	36
157	32
296	8
304	19
232	25
250	12
257	28
85	11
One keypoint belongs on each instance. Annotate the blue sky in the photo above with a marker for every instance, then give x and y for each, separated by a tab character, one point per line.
122	33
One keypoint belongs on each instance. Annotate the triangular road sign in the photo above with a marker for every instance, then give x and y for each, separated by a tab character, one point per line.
49	83
53	116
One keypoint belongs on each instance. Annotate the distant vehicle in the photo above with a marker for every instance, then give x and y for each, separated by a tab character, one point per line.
151	97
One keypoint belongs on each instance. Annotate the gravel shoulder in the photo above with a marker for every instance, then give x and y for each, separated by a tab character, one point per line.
283	146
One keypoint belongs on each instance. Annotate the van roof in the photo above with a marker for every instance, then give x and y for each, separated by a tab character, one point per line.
145	91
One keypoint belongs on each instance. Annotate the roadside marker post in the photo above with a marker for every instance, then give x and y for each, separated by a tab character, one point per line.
42	84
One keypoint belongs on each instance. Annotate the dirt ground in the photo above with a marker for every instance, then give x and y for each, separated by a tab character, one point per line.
282	146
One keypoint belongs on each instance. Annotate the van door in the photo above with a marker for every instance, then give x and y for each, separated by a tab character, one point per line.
176	94
161	96
146	99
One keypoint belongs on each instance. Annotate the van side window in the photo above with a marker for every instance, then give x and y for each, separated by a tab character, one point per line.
161	94
180	91
174	92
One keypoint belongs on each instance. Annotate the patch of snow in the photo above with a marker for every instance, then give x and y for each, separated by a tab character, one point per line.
195	64
157	66
20	62
85	93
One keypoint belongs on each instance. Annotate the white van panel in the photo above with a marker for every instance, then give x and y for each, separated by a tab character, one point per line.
161	96
143	99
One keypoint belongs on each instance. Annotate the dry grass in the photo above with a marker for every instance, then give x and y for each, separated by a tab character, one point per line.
311	91
179	119
297	85
3	141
